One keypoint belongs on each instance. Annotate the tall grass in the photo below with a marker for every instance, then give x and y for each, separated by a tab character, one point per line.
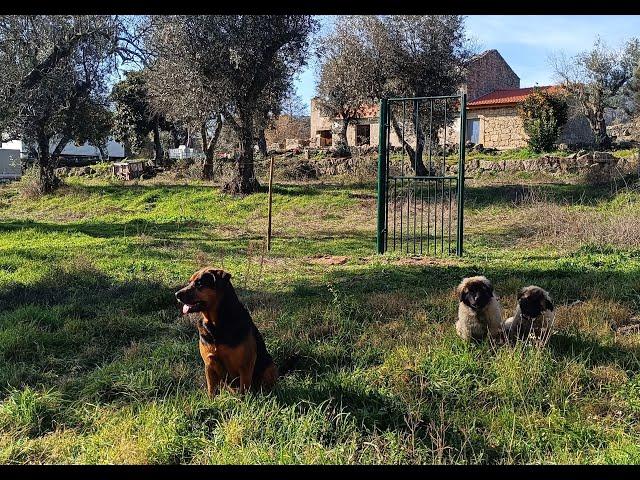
97	365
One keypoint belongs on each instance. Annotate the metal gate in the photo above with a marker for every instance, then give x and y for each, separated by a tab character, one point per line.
420	190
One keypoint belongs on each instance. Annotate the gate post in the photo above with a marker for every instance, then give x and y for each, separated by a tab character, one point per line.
382	176
463	135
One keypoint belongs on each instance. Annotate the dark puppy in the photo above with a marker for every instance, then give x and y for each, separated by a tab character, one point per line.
534	315
230	344
479	311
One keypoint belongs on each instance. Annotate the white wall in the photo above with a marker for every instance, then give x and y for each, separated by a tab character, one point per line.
114	149
10	164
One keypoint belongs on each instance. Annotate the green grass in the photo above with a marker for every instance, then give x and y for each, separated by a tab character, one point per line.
97	366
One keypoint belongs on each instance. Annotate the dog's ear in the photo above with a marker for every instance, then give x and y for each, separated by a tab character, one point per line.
208	278
521	293
459	288
222	277
548	303
489	286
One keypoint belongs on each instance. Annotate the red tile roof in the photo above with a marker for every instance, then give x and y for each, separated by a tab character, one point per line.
504	97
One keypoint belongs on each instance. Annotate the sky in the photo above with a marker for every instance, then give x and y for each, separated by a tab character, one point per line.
525	41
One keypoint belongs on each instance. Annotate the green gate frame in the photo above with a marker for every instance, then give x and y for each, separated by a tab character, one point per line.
383	174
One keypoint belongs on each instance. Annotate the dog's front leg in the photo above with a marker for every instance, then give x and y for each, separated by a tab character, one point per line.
213	375
246	375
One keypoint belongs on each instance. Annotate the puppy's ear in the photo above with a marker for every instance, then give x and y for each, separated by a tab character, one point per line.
520	293
489	285
548	303
459	289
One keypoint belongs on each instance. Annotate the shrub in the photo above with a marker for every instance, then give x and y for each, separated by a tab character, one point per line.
29	184
543	113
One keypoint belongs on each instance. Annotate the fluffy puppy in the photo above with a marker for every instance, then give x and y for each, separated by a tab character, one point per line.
534	315
479	311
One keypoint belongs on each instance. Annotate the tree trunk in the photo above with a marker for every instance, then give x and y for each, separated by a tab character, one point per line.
415	155
104	153
127	147
341	143
262	143
209	146
47	178
599	127
244	180
157	145
175	137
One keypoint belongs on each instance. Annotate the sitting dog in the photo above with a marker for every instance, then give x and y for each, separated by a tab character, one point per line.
230	344
479	311
534	315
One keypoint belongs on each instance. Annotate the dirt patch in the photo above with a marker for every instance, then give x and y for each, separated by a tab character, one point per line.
329	260
424	261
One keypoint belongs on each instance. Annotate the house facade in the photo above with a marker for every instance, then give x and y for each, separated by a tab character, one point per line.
493	94
493	121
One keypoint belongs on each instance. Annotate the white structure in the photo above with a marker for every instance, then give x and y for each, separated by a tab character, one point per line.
184	152
114	149
10	164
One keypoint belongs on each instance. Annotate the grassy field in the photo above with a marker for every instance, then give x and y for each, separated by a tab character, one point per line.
97	366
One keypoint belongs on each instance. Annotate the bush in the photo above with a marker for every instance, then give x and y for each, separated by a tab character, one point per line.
543	113
29	184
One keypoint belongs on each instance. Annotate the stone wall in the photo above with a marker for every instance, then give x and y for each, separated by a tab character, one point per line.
488	72
592	165
500	128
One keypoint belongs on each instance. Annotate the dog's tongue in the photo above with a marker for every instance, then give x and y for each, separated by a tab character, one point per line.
185	309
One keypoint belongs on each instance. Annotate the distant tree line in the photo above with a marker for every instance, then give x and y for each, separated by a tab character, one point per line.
230	77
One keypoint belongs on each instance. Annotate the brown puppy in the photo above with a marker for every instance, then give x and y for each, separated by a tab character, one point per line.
534	315
479	311
230	344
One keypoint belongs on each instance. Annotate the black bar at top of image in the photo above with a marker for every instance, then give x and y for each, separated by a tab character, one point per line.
326	7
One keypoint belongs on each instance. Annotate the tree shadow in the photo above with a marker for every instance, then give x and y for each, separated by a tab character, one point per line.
578	345
73	320
512	194
110	229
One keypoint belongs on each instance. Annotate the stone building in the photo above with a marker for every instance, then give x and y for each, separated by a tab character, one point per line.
493	121
493	94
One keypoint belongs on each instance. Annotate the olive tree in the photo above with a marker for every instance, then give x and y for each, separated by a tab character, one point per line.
245	61
347	75
596	78
396	56
134	117
53	80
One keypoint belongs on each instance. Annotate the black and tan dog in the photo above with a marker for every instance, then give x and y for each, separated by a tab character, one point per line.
534	315
230	344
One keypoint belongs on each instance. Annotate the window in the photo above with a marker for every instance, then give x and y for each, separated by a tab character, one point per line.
325	138
473	130
363	135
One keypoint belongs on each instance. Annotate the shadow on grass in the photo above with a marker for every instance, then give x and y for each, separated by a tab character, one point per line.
107	229
79	322
73	320
575	194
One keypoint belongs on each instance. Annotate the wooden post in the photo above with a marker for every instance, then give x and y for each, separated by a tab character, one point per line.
270	199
